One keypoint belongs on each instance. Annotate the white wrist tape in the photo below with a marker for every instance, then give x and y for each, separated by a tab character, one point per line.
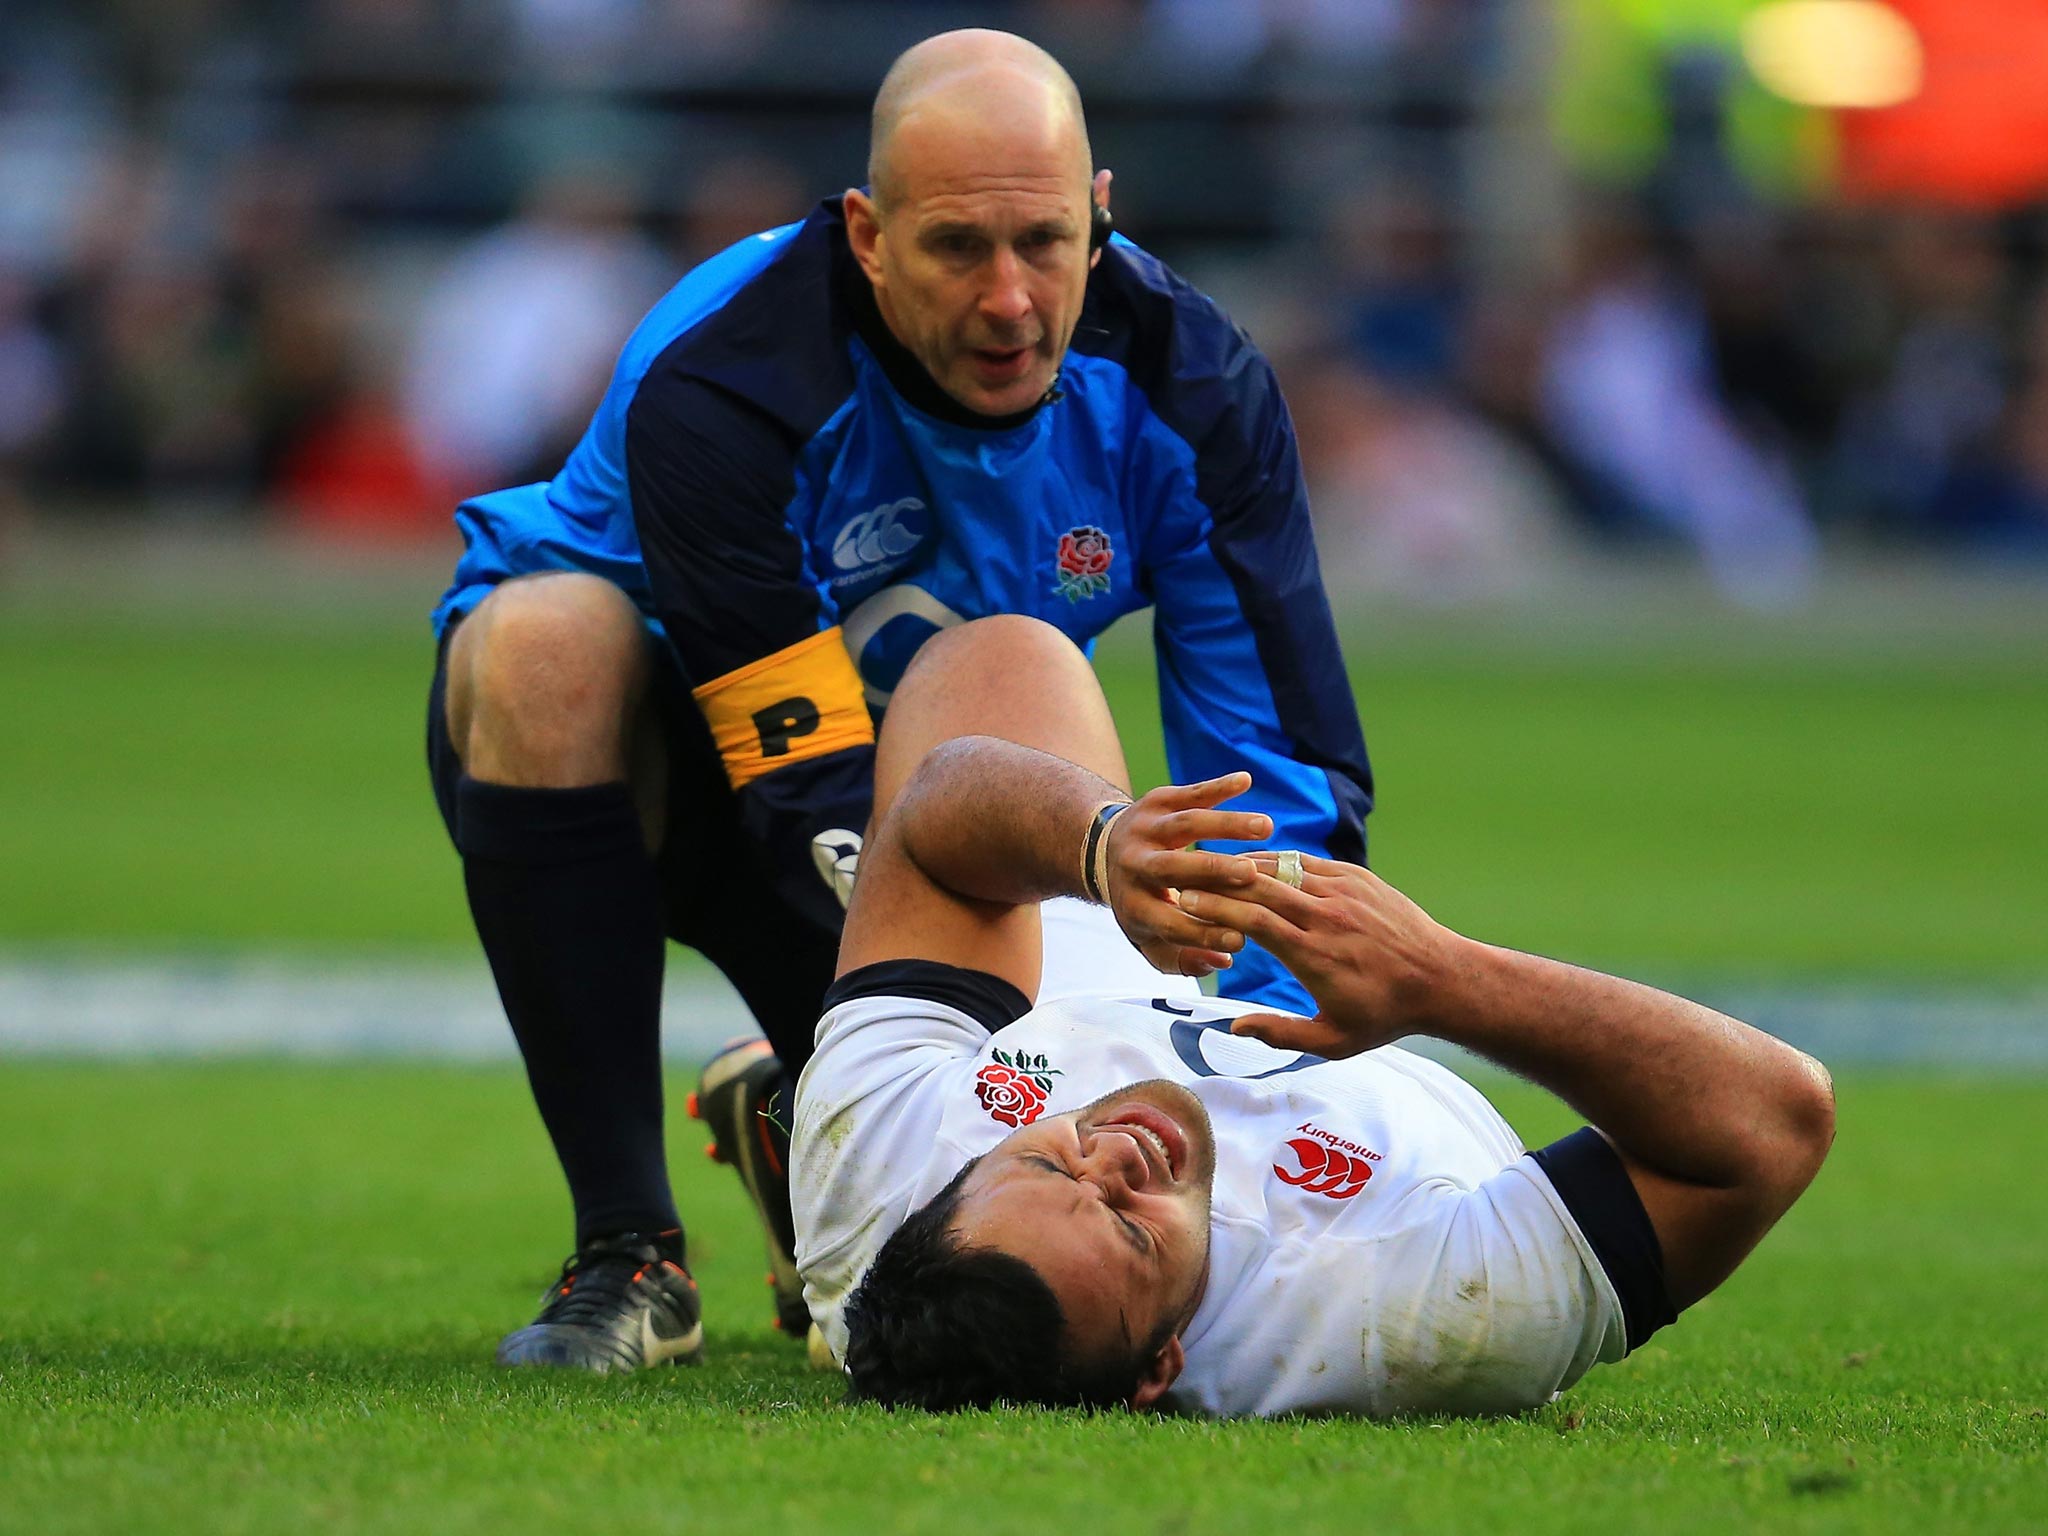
1095	852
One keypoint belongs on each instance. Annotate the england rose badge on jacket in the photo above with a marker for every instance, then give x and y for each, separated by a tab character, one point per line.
1085	555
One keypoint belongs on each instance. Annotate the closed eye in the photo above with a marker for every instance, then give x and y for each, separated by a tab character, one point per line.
1134	1234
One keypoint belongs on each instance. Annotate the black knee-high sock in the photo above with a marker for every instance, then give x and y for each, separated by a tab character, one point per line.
566	901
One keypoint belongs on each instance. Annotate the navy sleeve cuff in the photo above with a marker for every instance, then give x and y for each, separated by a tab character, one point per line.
1588	1175
988	1000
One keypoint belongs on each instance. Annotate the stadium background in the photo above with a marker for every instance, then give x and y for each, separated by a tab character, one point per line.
1673	381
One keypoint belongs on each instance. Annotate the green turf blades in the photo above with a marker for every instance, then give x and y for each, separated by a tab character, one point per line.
1806	814
246	1297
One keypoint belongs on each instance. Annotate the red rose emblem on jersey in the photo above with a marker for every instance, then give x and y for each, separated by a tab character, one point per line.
1013	1089
1008	1095
1085	557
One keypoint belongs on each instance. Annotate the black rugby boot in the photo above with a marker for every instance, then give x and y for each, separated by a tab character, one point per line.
739	1097
620	1304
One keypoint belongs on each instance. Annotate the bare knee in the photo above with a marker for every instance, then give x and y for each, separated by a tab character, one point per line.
1010	676
546	681
1018	657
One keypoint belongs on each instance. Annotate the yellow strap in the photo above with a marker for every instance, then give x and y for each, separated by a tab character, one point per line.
802	702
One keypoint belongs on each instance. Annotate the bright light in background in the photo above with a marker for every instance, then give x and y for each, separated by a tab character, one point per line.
1834	53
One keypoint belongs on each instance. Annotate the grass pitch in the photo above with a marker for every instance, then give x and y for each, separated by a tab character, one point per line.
1789	809
252	1297
256	1297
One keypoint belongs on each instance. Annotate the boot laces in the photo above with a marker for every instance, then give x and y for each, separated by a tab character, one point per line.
595	1287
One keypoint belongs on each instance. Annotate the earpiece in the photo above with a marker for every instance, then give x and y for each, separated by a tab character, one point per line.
1100	227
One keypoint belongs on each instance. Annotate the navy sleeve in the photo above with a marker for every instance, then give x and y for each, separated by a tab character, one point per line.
1589	1177
1263	541
1250	673
709	477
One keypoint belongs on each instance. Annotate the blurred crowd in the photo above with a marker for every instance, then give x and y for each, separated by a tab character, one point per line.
345	261
1750	390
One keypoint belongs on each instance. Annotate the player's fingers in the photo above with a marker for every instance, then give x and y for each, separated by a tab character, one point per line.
1335	873
1298	906
1208	792
1184	960
1287	1033
1267	862
1154	915
1165	922
1243	915
1182	868
1312	868
1263	1026
1178	829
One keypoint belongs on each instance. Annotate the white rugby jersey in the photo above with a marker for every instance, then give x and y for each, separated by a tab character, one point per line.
1380	1242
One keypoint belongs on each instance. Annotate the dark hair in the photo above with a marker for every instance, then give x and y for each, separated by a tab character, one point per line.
937	1325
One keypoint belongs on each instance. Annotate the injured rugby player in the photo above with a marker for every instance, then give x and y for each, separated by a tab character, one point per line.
1031	1166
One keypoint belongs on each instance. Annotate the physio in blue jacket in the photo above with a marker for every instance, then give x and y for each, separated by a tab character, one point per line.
953	394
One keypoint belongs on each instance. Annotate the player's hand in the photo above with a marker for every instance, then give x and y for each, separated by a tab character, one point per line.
1369	956
1151	867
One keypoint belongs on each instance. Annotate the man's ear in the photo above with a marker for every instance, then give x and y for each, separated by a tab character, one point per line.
1161	1372
1098	196
864	233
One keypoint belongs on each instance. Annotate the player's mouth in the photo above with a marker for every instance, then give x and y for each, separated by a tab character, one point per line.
1160	1138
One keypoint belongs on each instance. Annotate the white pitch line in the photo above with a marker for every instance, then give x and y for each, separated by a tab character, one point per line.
71	1005
270	1007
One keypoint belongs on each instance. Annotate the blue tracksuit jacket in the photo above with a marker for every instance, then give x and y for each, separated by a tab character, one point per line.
790	498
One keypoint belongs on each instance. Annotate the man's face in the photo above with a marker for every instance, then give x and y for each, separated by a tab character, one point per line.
1110	1204
979	258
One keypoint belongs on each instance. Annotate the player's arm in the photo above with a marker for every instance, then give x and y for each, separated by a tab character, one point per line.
996	759
1250	674
1719	1127
711	478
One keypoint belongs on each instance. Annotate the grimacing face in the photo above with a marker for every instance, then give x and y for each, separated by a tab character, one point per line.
980	272
1110	1204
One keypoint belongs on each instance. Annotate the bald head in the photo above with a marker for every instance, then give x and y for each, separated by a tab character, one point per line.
975	231
1008	93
